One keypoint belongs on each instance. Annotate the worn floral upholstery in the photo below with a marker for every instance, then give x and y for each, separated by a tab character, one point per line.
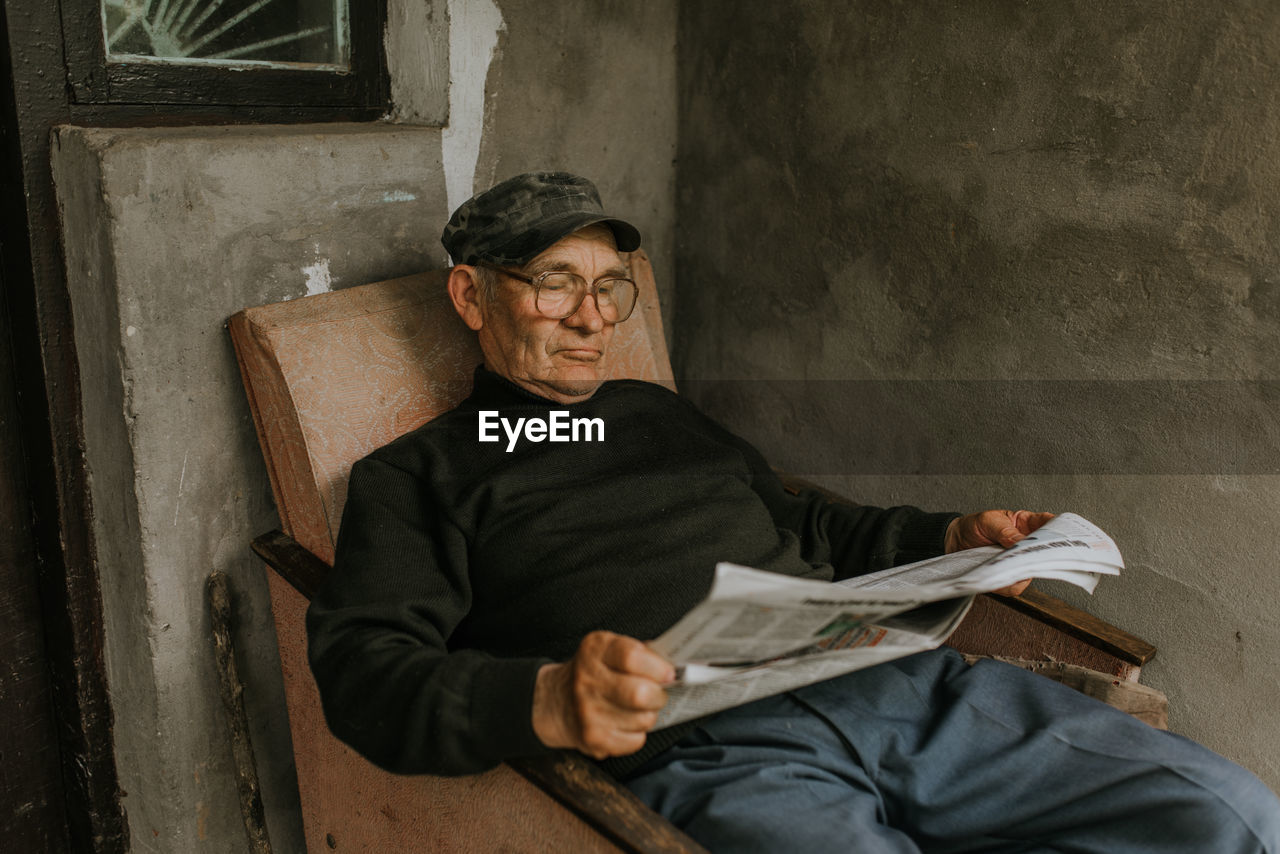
330	378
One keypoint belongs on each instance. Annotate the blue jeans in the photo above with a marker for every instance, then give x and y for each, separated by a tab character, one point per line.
927	754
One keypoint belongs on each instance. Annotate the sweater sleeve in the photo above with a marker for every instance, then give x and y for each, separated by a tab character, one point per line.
378	640
854	539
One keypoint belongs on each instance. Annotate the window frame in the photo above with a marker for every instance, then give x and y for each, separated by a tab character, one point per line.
92	80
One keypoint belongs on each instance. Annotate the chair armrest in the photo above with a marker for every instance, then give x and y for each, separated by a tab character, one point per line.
570	779
1040	606
605	804
295	564
1082	625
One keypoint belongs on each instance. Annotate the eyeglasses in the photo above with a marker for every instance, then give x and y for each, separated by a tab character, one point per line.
558	294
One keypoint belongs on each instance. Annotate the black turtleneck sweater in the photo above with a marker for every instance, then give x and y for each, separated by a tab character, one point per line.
462	567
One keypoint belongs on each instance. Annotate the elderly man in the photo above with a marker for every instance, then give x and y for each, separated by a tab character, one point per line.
490	599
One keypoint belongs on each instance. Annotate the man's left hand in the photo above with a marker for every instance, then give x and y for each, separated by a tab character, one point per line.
994	528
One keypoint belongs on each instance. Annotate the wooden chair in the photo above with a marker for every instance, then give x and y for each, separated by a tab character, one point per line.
334	376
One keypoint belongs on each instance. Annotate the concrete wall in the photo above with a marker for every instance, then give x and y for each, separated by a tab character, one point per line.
169	231
1011	254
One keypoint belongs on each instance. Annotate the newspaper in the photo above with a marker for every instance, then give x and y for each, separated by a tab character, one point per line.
759	633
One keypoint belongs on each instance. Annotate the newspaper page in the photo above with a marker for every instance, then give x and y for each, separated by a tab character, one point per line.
759	633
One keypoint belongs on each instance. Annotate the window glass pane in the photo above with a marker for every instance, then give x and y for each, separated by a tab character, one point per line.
228	32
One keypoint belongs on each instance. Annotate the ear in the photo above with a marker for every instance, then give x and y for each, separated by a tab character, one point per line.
464	292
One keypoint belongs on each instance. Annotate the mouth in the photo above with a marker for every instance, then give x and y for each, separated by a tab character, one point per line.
580	354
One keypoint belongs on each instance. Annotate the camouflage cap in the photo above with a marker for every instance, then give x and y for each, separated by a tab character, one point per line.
513	221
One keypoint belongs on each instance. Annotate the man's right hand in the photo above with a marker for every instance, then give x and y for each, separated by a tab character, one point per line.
604	699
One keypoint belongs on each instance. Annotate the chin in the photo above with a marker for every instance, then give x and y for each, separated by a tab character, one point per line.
575	387
575	380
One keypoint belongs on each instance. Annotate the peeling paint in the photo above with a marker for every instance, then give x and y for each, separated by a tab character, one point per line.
319	281
398	196
473	37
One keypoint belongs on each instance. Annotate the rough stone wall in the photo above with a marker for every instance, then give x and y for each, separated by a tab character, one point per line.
963	239
170	231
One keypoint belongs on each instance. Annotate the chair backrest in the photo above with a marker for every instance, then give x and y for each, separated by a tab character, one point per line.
330	378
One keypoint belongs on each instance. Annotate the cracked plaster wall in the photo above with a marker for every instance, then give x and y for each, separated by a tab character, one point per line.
961	240
170	231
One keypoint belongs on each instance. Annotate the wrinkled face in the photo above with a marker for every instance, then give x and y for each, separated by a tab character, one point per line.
564	360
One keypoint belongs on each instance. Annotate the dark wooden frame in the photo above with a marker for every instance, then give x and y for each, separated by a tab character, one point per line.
58	516
93	80
35	96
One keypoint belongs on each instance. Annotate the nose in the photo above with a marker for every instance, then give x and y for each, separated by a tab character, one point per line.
587	317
